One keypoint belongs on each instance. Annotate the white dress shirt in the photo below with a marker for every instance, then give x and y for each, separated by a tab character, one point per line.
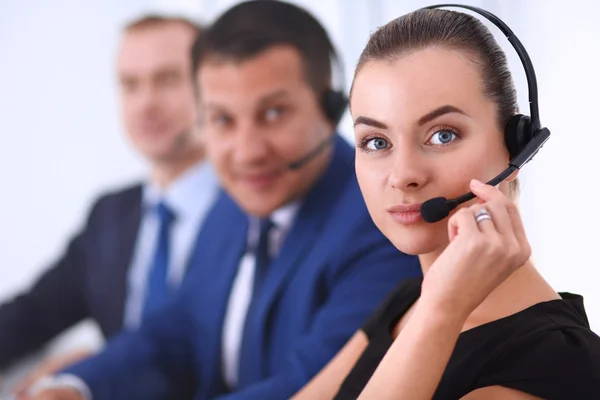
237	307
241	291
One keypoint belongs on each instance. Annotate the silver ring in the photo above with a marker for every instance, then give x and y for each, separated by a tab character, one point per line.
482	215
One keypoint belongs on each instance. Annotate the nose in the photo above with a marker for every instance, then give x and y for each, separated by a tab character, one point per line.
147	100
250	146
409	169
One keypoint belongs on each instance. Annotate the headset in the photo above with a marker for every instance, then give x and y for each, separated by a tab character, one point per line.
524	135
334	101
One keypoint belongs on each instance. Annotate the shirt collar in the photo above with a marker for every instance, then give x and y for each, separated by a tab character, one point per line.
184	194
284	217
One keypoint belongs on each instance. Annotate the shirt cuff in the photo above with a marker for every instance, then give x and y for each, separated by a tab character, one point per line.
69	381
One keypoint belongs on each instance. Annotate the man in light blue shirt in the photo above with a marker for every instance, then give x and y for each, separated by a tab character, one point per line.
189	198
132	254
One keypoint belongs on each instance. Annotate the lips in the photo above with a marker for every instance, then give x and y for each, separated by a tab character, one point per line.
151	127
259	181
406	214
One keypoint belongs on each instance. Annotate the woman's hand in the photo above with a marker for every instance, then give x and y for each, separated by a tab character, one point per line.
480	256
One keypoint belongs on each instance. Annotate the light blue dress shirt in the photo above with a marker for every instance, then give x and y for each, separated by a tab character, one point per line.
190	197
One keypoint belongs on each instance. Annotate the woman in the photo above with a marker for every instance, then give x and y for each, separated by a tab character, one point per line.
430	99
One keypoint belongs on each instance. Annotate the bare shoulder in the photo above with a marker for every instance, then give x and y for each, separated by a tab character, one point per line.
498	393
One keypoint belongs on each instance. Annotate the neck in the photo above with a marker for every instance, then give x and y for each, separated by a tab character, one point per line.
427	260
165	172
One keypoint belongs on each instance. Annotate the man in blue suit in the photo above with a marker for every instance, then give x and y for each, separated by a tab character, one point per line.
108	270
289	263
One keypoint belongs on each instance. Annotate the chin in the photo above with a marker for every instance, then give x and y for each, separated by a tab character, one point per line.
256	206
415	248
161	147
415	240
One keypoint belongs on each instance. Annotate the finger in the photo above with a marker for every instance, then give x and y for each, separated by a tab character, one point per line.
497	204
23	386
25	396
486	192
485	224
462	223
502	220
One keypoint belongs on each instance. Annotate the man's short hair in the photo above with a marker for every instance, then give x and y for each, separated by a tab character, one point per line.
252	27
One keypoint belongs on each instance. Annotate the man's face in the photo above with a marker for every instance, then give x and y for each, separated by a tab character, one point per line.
260	115
157	93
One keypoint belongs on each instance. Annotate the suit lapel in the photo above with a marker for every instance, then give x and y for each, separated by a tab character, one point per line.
124	237
216	258
305	232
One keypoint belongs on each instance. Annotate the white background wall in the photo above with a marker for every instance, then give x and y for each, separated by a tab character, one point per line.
61	141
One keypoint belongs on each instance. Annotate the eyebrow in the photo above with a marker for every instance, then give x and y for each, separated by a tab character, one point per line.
262	101
438	112
273	96
369	122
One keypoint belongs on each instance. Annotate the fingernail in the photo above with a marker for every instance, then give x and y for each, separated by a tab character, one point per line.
476	183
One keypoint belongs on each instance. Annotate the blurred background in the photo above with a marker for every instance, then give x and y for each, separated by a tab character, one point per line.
61	142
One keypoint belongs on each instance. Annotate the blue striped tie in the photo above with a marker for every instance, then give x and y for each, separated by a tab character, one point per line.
157	289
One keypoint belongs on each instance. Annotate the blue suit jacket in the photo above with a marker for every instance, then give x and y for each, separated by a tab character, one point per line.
89	280
333	270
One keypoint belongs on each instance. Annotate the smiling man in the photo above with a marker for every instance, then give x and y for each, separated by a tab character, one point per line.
289	263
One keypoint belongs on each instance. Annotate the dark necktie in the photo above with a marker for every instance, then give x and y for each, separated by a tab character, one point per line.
262	256
246	367
157	289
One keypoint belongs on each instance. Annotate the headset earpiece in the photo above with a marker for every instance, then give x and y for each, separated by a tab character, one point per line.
517	133
521	132
334	104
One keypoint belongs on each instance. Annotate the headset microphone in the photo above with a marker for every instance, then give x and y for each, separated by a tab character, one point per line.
523	134
333	103
438	208
312	154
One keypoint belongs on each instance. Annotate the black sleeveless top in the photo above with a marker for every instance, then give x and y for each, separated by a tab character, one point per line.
546	350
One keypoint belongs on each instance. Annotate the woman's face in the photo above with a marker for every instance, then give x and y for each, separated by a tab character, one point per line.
423	129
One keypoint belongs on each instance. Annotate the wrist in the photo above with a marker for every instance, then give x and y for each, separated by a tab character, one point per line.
444	313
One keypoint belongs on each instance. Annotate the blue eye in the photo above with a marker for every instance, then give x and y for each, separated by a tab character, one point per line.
377	144
442	137
273	113
221	120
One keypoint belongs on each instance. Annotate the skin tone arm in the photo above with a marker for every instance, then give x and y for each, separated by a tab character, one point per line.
421	340
444	307
478	259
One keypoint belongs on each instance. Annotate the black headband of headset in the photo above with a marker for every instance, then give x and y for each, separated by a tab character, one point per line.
523	55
